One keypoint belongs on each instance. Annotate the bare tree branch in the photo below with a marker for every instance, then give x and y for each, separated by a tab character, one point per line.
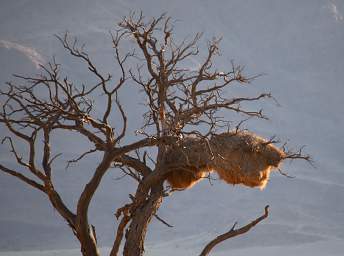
162	221
23	178
80	157
234	232
119	235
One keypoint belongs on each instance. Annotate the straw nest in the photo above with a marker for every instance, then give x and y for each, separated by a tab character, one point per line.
237	157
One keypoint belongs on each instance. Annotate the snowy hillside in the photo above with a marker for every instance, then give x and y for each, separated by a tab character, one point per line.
297	44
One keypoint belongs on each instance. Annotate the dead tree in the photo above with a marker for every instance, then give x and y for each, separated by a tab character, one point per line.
180	102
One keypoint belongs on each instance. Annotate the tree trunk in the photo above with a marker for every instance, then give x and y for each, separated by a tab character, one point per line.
89	243
86	232
135	236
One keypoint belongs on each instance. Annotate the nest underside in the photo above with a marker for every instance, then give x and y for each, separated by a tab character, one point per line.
237	158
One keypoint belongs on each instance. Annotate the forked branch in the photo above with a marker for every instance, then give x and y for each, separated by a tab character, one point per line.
234	232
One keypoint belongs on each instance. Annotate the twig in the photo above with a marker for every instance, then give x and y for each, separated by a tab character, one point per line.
285	174
163	221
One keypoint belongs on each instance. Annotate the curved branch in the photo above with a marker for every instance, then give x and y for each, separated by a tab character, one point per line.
23	178
234	232
135	163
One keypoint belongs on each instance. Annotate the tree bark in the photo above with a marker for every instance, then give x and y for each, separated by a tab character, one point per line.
135	236
85	232
89	243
